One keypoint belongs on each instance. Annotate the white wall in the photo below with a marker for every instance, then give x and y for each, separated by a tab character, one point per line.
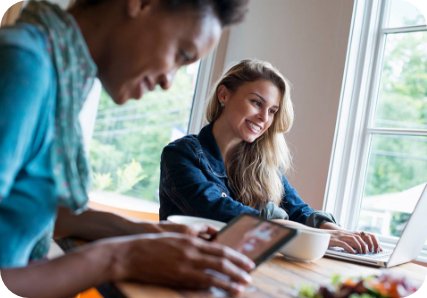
307	41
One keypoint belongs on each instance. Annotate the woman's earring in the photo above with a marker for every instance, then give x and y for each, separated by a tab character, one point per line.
222	104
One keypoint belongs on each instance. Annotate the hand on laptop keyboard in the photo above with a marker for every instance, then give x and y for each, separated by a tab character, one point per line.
354	241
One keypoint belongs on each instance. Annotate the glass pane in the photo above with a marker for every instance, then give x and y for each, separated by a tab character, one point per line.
404	13
402	101
128	140
396	176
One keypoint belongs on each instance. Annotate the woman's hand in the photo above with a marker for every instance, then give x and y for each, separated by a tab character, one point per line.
180	261
167	259
200	230
352	241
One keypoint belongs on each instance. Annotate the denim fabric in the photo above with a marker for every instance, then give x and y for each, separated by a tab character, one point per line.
27	125
193	182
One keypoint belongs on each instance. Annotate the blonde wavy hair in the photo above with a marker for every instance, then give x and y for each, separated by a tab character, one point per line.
255	169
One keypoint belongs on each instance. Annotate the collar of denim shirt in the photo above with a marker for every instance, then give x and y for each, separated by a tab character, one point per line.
211	150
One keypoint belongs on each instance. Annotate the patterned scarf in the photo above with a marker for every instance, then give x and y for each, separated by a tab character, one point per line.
75	73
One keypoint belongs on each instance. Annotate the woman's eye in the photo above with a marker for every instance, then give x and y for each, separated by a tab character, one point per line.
185	56
257	103
273	112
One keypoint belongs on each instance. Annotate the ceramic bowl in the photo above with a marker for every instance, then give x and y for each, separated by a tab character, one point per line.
189	220
308	246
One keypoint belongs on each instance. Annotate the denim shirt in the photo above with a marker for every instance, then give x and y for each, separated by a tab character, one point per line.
193	181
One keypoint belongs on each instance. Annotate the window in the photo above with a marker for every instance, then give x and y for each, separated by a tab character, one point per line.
378	167
128	140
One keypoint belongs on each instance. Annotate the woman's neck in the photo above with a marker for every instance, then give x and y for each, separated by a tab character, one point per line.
224	137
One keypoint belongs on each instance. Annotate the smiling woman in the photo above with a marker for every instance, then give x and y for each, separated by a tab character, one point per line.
49	61
237	164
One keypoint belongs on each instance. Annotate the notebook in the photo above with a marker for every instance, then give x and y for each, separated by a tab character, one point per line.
407	249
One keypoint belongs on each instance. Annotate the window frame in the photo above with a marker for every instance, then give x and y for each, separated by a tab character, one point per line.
354	127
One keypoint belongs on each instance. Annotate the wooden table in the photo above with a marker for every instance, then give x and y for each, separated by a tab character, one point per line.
278	277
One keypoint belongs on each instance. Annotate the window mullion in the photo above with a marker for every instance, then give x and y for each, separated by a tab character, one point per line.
408	29
372	84
397	131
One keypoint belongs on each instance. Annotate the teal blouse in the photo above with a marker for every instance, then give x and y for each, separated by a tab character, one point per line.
28	198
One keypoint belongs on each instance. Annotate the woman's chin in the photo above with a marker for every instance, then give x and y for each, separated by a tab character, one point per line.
120	100
250	139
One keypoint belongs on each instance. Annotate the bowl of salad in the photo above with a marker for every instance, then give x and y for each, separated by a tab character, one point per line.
374	286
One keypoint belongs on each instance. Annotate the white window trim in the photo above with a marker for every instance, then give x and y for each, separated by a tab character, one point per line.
343	195
209	70
203	85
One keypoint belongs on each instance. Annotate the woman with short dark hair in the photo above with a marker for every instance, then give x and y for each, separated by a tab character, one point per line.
48	62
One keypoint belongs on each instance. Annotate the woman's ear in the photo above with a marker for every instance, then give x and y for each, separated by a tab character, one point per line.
222	94
135	7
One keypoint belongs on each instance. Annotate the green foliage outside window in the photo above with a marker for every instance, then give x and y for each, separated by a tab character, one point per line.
399	162
398	223
128	140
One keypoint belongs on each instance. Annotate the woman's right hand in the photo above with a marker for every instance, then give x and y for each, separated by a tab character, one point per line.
178	260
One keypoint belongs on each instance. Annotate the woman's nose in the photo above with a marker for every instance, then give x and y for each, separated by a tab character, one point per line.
263	115
167	79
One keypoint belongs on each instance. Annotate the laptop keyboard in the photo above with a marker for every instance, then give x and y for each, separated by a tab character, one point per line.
372	255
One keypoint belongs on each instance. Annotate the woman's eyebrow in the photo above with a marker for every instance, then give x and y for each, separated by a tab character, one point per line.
263	99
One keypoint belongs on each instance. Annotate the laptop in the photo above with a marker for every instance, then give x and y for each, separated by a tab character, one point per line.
407	249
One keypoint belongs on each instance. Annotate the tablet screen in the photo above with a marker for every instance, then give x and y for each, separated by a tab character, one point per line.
254	237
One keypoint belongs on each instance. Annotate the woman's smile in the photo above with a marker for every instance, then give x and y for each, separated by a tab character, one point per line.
253	127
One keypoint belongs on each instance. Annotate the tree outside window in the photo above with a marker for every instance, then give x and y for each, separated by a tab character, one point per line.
128	140
396	170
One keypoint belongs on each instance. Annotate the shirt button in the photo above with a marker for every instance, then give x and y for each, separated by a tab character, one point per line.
223	194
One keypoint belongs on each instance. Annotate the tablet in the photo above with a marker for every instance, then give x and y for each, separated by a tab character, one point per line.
256	238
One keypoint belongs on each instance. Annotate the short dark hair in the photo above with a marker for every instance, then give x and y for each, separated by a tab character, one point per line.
228	11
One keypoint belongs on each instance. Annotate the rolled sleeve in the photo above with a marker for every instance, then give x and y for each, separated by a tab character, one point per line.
271	211
318	218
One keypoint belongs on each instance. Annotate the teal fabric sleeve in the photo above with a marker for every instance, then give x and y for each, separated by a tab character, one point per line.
27	105
22	85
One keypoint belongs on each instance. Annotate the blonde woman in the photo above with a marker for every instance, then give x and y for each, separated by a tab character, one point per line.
237	163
